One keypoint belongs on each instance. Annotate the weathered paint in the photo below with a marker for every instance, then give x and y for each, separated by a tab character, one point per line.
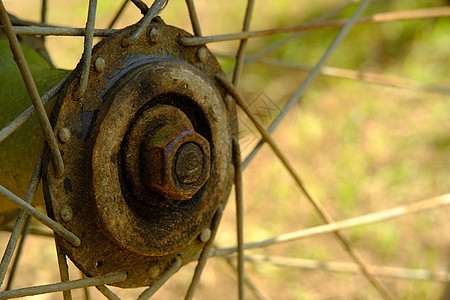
19	151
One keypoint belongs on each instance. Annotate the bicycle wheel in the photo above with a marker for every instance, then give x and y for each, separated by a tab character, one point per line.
362	139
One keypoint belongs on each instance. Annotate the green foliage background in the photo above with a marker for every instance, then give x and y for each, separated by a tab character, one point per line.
359	147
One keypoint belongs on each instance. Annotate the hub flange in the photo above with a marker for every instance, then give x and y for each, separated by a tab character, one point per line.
148	160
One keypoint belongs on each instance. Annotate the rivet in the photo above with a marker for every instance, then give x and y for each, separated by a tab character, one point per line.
154	271
64	134
154	35
202	53
205	235
100	64
66	213
229	102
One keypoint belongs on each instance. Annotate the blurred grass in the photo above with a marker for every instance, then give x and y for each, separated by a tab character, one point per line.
359	147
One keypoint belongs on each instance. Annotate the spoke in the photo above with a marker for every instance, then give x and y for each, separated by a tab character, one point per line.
436	12
257	292
384	215
59	31
141	5
344	267
366	77
44	11
205	254
314	72
118	14
240	56
64	286
21	221
86	293
161	280
87	53
194	19
144	8
326	217
63	270
275	46
56	227
43	16
156	7
239	215
107	292
32	91
32	230
19	251
23	117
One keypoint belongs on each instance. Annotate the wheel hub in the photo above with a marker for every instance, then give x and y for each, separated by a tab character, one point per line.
148	160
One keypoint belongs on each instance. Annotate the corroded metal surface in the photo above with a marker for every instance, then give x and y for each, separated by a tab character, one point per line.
147	152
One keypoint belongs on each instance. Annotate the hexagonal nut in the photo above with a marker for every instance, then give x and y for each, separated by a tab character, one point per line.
176	162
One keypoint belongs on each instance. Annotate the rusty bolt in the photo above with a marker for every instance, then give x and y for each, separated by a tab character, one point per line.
176	162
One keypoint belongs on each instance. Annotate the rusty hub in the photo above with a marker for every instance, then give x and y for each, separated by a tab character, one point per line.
148	155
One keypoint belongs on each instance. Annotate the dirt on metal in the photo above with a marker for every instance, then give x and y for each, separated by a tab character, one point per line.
135	212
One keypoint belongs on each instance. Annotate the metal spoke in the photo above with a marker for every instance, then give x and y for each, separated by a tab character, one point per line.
240	56
384	215
26	114
44	11
32	230
436	12
107	292
194	19
366	77
314	72
345	267
32	91
141	5
87	53
15	262
276	45
63	270
59	31
239	215
56	227
257	292
86	293
205	253
362	76
43	15
161	280
64	286
152	12
21	220
326	217
118	14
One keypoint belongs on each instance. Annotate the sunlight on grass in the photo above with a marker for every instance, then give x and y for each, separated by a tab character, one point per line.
359	147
